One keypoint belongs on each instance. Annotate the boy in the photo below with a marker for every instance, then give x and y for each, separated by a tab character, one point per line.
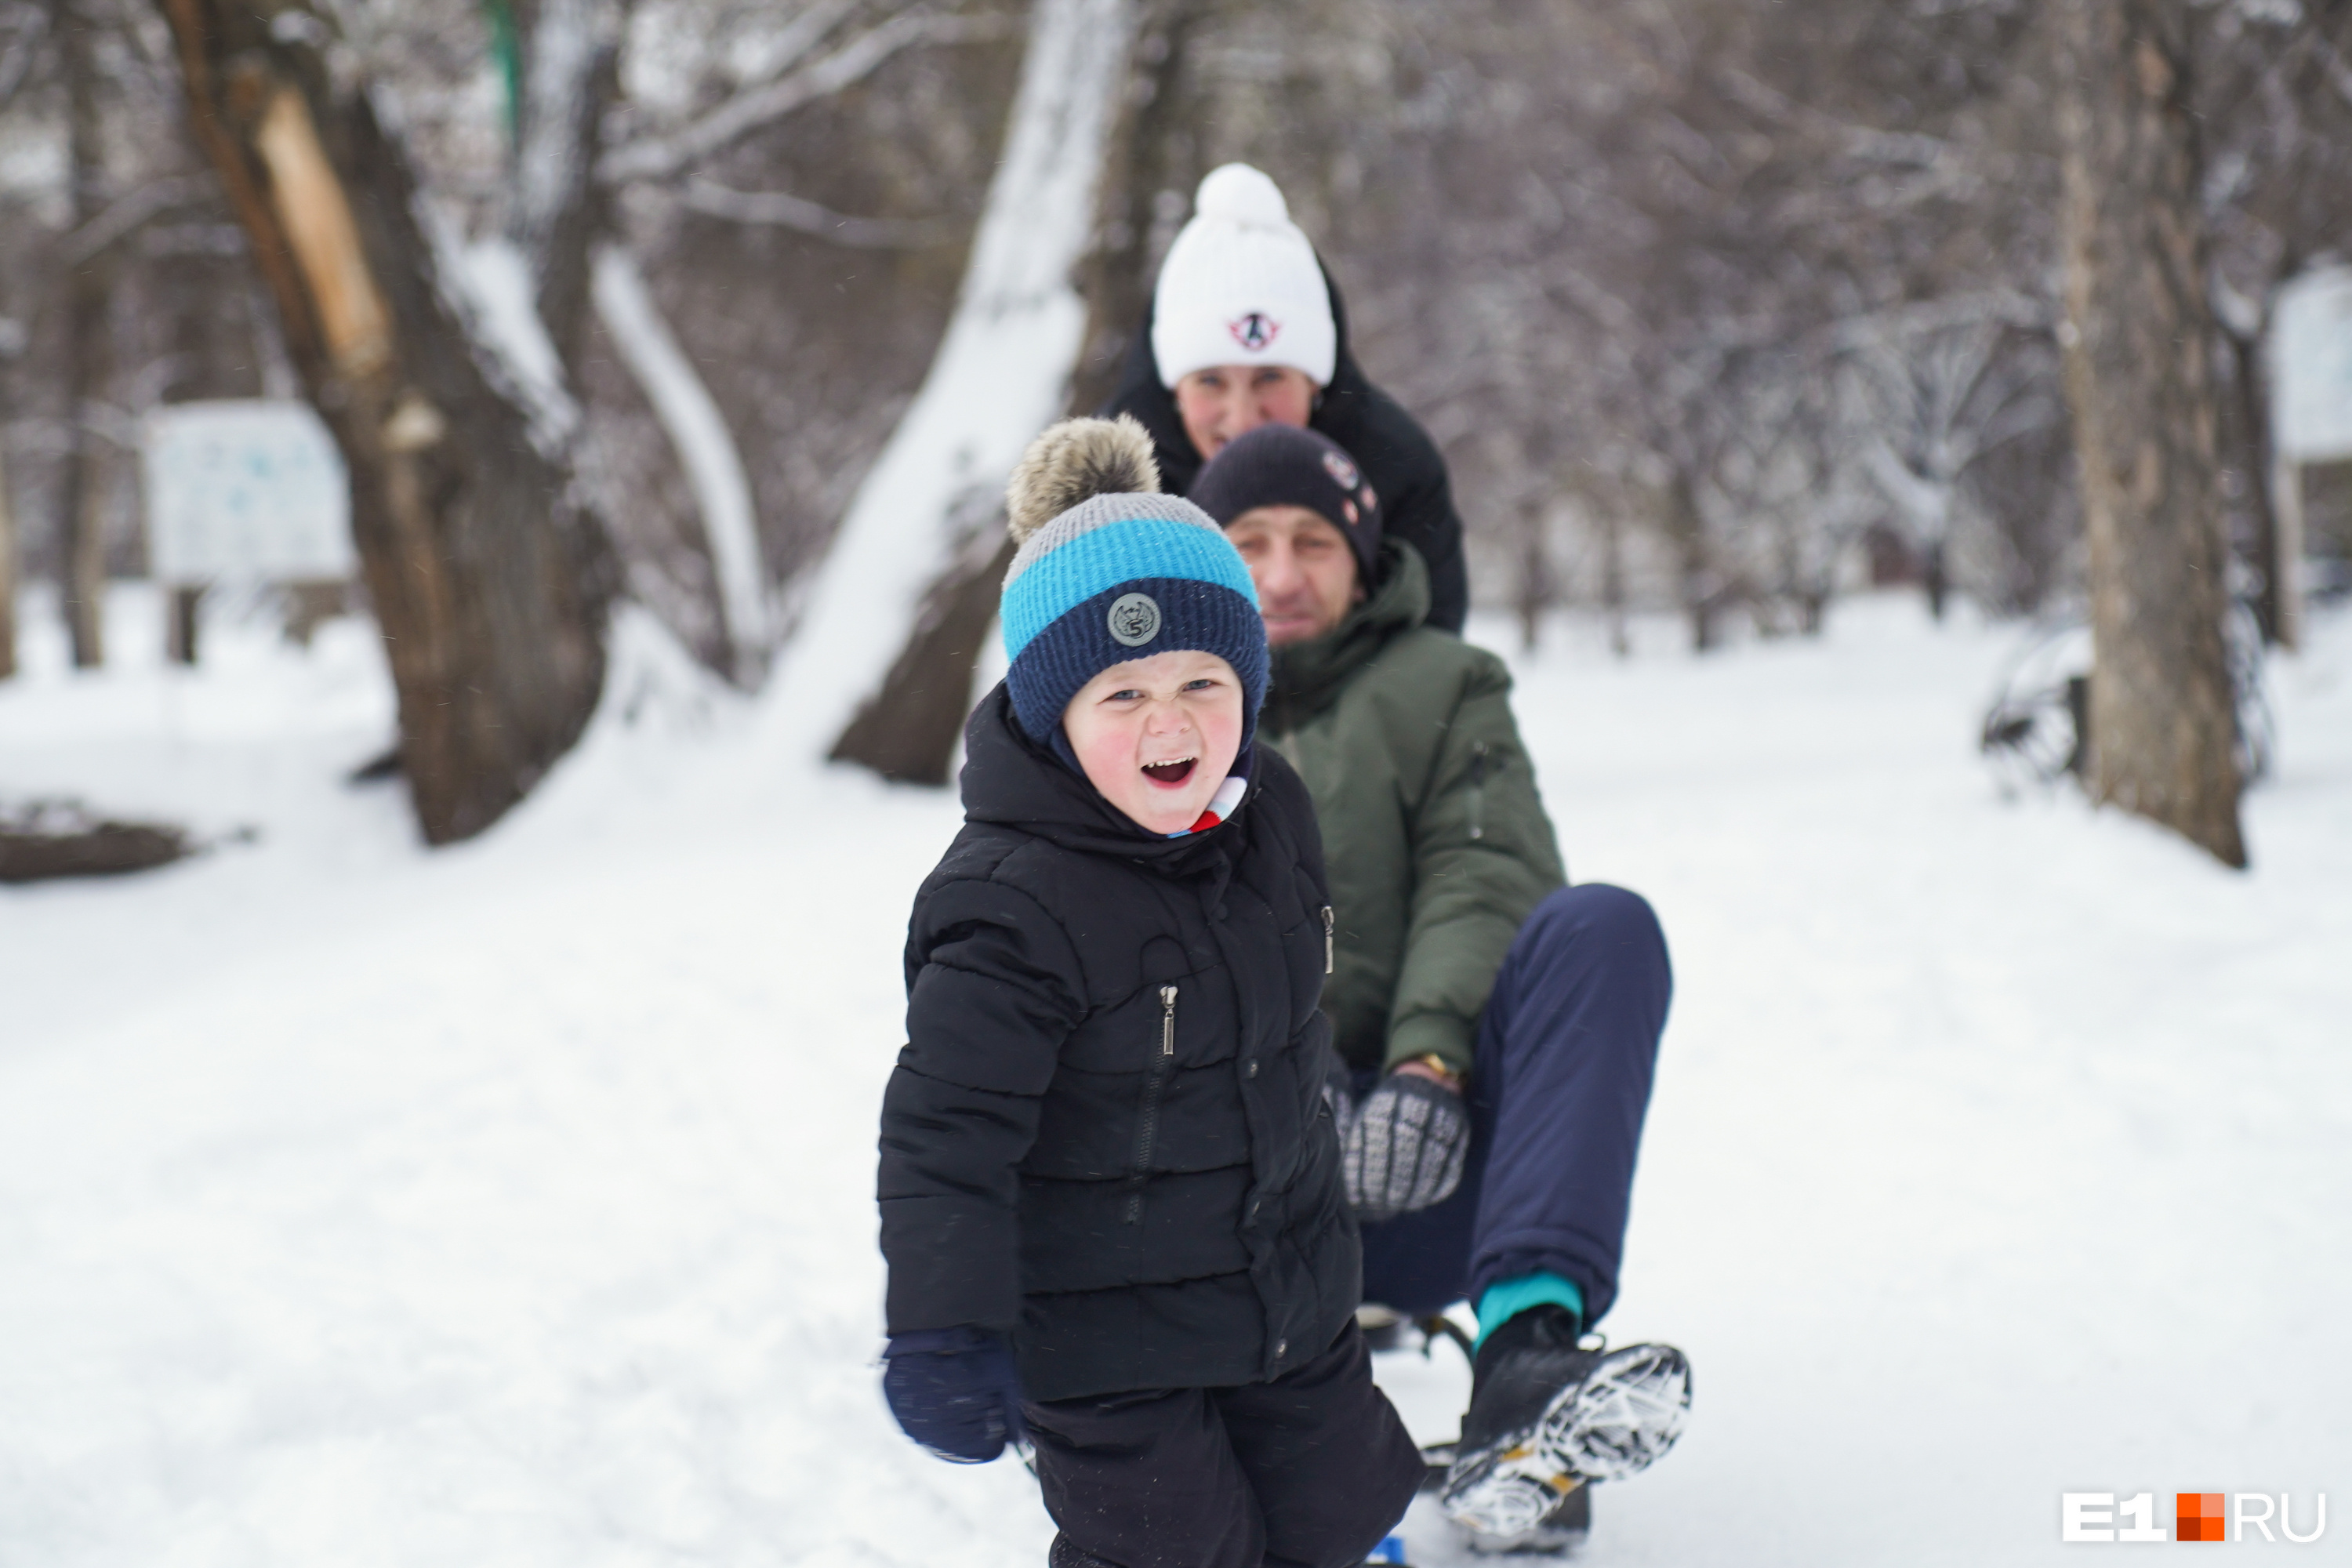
1110	1192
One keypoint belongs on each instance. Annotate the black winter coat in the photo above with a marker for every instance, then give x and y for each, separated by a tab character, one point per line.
1105	1135
1402	463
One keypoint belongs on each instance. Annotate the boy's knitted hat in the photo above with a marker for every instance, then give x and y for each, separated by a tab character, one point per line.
1110	569
1281	465
1241	286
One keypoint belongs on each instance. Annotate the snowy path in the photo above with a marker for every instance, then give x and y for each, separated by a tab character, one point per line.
511	1205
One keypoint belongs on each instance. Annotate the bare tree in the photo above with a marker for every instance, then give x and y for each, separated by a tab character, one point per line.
80	528
487	571
2139	375
1042	208
7	579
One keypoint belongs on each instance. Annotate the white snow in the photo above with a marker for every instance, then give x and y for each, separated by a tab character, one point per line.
511	1204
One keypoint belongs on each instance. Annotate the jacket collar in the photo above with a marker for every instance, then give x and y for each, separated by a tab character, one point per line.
1309	677
1011	780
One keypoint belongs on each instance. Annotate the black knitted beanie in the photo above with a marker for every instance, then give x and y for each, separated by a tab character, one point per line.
1281	465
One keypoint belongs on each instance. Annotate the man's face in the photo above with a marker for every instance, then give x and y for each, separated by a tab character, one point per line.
1156	736
1228	400
1304	569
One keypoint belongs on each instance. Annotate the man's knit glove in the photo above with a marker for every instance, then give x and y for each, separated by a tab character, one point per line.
1405	1148
954	1390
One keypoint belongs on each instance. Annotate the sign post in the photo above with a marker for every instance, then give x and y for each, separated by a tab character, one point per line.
242	491
2311	402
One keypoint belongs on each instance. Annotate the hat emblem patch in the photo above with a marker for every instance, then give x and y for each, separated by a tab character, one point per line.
1342	472
1254	331
1134	620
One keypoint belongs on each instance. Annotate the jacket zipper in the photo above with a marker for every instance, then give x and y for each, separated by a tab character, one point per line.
1155	1084
1329	932
1477	789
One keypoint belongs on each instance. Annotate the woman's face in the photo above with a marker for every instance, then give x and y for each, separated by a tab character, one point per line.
1226	401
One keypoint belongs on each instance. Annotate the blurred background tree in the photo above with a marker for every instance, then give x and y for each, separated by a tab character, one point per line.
1713	308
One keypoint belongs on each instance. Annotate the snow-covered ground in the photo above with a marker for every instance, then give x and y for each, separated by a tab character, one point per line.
510	1205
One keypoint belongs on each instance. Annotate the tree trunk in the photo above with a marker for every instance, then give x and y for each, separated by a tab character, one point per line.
8	578
1701	594
571	76
2252	458
908	731
81	534
978	409
2137	337
488	572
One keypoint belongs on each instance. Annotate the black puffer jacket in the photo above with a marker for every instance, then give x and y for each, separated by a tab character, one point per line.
1106	1134
1402	463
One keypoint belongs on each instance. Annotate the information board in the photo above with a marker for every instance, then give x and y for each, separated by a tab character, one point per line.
245	491
2311	359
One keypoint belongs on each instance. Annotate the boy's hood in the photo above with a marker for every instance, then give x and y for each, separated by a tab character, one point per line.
1010	779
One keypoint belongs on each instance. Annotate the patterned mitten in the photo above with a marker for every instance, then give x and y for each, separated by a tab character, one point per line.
1405	1148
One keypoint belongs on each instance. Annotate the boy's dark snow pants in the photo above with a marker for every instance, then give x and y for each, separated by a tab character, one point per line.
1561	1079
1308	1471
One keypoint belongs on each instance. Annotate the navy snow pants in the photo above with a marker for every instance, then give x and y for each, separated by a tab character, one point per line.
1561	1081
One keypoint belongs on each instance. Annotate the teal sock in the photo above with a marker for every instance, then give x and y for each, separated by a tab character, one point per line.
1507	1299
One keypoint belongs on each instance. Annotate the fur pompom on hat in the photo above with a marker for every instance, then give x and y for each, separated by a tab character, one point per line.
1076	462
1241	286
1110	569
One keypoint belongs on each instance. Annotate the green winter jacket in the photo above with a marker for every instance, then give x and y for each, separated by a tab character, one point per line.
1436	842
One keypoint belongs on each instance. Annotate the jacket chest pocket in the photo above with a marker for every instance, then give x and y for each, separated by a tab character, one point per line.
1162	1067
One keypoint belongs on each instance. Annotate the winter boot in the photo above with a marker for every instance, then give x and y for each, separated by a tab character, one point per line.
1546	1417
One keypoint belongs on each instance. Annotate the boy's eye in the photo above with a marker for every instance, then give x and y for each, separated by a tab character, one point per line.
1200	685
1129	695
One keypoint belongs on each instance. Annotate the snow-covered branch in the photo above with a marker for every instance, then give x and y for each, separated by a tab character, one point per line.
783	211
660	156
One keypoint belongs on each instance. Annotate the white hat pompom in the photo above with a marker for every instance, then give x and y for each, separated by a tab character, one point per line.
1242	286
1240	195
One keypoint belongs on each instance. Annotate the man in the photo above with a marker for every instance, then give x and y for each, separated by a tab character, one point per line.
1499	1029
1246	328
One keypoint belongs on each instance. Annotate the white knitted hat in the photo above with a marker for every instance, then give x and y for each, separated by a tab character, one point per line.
1241	286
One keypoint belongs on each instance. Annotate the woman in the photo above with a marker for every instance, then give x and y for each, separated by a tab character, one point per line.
1246	328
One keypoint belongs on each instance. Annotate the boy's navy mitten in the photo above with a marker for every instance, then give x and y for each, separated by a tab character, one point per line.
1406	1148
954	1390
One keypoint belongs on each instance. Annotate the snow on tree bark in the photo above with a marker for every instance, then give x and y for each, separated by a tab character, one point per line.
2138	339
487	571
705	450
1000	376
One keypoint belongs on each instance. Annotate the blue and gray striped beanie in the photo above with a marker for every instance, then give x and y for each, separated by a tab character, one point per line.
1110	569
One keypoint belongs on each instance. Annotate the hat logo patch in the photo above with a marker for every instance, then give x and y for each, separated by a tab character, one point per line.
1342	472
1134	620
1255	330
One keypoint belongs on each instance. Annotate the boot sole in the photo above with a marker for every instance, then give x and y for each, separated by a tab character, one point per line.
1616	1424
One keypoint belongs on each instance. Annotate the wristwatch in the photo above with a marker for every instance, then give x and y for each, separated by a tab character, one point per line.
1447	1073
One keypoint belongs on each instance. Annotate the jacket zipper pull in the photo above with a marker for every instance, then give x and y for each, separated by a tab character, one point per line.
1477	789
1328	934
1167	1021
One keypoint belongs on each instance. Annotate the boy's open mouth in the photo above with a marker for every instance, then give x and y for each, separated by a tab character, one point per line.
1170	773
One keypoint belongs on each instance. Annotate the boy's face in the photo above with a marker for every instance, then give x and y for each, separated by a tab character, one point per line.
1156	736
1304	568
